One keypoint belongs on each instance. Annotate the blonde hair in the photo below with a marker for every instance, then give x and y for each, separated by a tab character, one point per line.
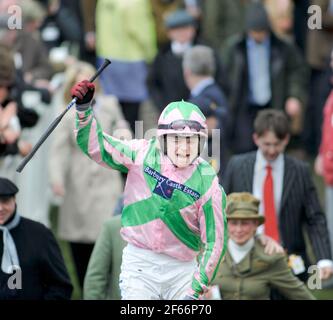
72	73
32	11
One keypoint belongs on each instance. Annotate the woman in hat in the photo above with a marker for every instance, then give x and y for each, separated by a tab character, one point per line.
248	273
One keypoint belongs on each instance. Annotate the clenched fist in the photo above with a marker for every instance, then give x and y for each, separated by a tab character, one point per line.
83	91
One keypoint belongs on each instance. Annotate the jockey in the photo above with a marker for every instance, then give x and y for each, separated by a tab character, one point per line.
174	208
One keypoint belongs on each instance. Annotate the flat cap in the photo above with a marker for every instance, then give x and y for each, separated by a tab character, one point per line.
243	205
179	18
256	17
7	188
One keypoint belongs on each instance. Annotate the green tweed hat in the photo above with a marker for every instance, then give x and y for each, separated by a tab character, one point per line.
243	205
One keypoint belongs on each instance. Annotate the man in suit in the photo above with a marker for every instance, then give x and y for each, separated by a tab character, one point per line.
199	66
287	193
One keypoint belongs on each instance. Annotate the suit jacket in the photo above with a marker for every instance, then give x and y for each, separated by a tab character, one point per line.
102	278
299	204
254	277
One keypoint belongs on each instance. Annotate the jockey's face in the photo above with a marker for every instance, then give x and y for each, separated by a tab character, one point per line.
182	151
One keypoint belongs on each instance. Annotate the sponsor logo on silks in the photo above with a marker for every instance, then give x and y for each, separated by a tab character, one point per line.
165	187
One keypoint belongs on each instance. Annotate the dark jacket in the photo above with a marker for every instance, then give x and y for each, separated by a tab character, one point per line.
166	81
299	204
289	77
44	275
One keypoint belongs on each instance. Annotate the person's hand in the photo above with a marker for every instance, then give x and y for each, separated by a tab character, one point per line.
83	91
24	147
9	136
318	165
293	107
90	41
58	189
7	113
325	273
271	246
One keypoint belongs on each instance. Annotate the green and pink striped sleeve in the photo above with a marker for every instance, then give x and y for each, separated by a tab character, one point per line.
213	229
101	147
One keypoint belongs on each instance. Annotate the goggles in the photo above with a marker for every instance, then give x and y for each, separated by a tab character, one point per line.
179	125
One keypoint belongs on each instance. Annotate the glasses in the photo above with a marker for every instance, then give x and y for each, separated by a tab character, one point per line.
181	125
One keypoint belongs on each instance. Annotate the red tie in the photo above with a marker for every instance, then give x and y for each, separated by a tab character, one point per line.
271	227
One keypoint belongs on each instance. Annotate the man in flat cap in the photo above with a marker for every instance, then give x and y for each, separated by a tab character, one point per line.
264	72
32	266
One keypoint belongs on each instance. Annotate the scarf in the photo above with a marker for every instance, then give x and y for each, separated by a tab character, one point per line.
238	252
9	256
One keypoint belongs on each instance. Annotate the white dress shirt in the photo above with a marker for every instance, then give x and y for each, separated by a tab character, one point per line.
260	173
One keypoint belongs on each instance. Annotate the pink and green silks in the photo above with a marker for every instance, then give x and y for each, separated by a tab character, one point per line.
177	212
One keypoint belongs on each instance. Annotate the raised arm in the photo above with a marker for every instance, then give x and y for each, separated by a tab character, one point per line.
99	146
